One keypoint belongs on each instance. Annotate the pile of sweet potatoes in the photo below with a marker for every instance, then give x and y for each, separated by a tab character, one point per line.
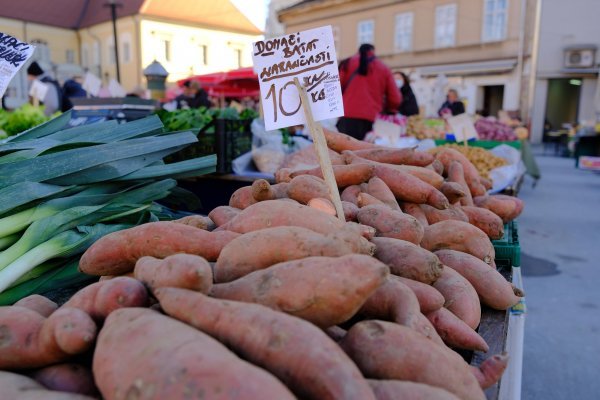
275	297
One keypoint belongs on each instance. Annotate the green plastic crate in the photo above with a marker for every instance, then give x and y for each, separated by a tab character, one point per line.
486	144
508	249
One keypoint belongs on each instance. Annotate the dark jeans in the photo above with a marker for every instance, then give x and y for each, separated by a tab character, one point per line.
357	128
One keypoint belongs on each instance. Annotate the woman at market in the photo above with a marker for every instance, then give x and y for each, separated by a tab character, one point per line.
52	101
452	105
368	88
409	104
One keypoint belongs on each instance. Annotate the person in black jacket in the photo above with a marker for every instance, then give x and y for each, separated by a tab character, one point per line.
452	105
409	104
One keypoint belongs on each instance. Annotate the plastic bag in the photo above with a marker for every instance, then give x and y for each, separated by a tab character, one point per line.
268	150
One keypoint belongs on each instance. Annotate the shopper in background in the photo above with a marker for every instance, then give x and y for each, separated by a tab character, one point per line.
193	96
53	100
368	88
71	88
452	106
409	104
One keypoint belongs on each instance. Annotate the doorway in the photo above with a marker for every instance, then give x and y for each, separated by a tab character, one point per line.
493	97
562	102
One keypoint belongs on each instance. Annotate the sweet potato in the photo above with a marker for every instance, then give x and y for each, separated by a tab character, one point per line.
437	166
378	189
339	142
491	370
350	194
454	332
282	175
408	260
391	223
223	214
242	198
434	215
407	156
394	390
101	298
350	210
241	256
322	204
506	207
453	191
394	301
29	340
487	183
345	175
109	277
456	174
67	377
461	297
485	220
460	236
20	387
117	252
447	155
40	304
197	221
298	353
323	290
416	211
424	174
365	199
429	298
384	350
335	333
493	290
307	158
305	187
261	190
185	271
190	364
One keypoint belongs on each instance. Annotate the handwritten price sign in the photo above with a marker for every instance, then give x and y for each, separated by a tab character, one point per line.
309	56
13	54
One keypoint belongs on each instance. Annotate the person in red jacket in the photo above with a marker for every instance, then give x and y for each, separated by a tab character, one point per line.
368	88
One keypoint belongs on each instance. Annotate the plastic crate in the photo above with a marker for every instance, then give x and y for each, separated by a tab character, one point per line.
508	249
227	138
486	144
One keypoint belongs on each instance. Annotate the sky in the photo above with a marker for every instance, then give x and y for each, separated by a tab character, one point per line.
255	10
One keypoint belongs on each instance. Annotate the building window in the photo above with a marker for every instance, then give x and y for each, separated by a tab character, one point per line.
126	52
165	46
403	31
96	53
111	54
494	20
238	57
70	57
203	53
445	25
366	32
336	39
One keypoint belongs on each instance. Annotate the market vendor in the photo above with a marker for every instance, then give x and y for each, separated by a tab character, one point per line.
409	105
452	105
193	96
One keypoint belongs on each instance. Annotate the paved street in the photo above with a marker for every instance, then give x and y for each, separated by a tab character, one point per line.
560	243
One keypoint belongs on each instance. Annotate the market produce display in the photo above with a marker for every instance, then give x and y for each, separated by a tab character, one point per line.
298	303
492	129
426	128
20	119
483	160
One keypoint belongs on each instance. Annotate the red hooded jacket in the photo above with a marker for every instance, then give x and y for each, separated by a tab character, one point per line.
365	95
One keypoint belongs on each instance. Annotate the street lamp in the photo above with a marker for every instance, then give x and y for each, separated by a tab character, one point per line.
113	11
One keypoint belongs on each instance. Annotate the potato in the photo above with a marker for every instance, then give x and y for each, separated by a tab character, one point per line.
365	199
350	210
303	188
223	214
416	211
391	223
446	155
456	175
350	194
453	191
197	221
506	207
461	297
20	387
408	260
67	377
345	175
339	142
491	370
407	156
242	198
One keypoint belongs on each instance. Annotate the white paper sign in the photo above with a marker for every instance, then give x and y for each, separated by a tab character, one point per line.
91	84
13	54
309	56
115	89
463	127
38	90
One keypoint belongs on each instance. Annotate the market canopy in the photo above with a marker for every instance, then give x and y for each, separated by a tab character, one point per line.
236	83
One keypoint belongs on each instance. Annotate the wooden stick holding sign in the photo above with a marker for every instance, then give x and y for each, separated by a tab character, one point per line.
318	136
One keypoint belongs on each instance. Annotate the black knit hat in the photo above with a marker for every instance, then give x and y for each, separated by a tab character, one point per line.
35	69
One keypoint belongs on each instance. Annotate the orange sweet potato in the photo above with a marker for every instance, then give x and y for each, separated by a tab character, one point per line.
506	207
424	174
323	290
242	198
262	190
335	333
434	215
223	214
408	260
184	271
453	191
384	350
101	298
350	210
298	353
461	297
493	290
365	199
322	204
66	377
485	220
456	174
447	155
190	364
437	166
491	370
197	221
303	188
394	390
408	156
429	298
40	304
350	194
345	175
460	236
282	175
339	142
20	387
378	189
416	211
391	223
241	257
487	183
394	301
29	340
454	332
117	252
307	158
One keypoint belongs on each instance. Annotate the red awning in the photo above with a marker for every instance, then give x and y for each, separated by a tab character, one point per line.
236	83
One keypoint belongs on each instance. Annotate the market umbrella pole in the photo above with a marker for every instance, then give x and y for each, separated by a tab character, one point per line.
318	136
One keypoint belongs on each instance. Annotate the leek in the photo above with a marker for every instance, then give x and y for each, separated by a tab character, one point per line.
8	240
24	192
